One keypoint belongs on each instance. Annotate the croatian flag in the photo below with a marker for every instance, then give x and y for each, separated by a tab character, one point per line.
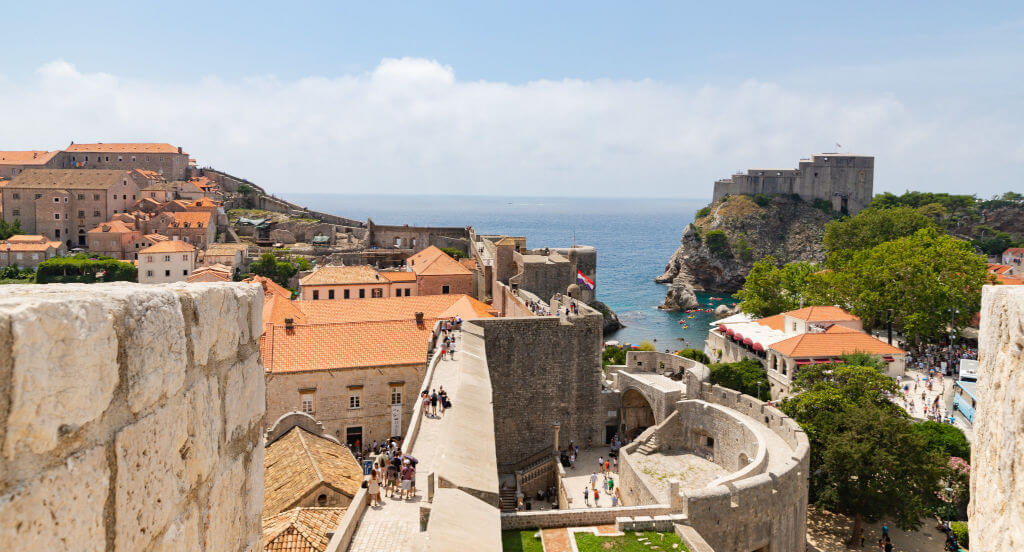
582	279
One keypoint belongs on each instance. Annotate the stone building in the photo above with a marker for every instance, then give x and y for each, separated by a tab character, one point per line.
844	180
544	271
355	365
165	159
64	204
234	255
996	511
785	342
356	282
439	274
114	239
13	162
28	250
198	228
413	239
156	441
166	261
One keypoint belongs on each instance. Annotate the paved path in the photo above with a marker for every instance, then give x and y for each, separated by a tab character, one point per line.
395	524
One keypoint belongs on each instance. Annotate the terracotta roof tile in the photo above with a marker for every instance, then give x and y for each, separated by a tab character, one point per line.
169	246
123	147
270	287
833	344
823	313
113	226
31	157
194	219
27	238
298	462
390	308
776	322
1014	251
300	529
1004	280
156	237
341	275
468	263
434	262
208	276
398	276
81	179
310	346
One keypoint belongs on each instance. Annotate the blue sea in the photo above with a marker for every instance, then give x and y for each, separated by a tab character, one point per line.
634	240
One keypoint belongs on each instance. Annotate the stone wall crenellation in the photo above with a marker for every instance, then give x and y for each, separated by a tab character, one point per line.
132	417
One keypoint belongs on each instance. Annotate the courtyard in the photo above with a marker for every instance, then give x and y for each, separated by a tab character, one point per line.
692	471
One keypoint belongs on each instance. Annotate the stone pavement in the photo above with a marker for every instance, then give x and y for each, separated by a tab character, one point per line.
692	471
579	478
395	524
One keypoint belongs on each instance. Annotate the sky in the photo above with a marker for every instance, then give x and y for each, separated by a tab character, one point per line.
607	99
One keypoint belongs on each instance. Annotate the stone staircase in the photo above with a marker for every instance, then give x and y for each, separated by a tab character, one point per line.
650	446
508	499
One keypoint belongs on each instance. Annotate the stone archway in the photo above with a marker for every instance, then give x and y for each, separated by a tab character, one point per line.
637	414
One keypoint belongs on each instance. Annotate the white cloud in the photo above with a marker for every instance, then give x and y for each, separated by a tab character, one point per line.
410	126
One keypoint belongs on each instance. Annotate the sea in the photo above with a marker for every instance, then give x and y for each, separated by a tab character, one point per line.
634	240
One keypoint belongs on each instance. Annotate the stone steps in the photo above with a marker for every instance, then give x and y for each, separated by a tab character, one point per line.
650	446
508	499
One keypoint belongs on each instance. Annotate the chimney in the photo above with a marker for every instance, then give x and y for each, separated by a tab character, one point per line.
289	323
419	318
179	149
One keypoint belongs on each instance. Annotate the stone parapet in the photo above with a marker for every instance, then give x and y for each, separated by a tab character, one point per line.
132	416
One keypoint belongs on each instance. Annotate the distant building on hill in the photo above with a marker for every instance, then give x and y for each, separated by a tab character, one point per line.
27	251
13	162
170	161
166	261
845	180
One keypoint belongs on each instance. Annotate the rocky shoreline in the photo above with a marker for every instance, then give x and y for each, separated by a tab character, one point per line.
718	248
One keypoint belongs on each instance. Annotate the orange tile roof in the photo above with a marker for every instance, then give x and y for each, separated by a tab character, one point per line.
342	275
299	462
270	287
833	344
434	262
194	219
838	329
31	157
27	238
208	276
123	147
397	276
310	347
68	179
300	529
776	322
391	308
113	226
169	246
468	263
29	247
1014	251
206	202
1004	280
148	174
156	237
821	313
999	268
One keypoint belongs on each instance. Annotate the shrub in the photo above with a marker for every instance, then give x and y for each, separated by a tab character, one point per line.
947	439
959	529
244	189
302	263
454	252
718	242
85	270
613	355
704	211
762	200
742	376
745	251
823	205
695	354
8	229
645	346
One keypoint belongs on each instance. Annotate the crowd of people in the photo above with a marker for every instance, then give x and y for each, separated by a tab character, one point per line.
932	356
392	473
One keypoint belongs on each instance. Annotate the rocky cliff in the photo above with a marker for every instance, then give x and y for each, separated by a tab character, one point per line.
719	247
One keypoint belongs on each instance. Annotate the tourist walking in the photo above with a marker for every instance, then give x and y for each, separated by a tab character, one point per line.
433	402
426	403
373	488
586	496
407	475
597	497
593	480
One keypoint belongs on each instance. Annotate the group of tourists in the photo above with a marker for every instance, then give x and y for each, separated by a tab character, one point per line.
447	331
931	357
537	308
607	484
393	473
434	399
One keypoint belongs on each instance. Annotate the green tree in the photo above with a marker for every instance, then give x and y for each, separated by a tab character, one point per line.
695	354
270	267
866	460
921	281
646	346
244	189
769	290
8	229
302	263
947	439
718	243
871	227
613	355
746	376
454	252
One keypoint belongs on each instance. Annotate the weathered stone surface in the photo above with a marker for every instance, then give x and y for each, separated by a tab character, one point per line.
227	514
228	315
244	397
181	534
997	454
61	510
282	236
155	349
151	483
205	430
64	351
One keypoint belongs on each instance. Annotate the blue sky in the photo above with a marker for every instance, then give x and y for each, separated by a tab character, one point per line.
651	99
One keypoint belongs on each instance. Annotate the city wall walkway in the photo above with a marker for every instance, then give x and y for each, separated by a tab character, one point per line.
457	448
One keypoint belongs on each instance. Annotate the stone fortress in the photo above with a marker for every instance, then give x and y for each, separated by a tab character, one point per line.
844	180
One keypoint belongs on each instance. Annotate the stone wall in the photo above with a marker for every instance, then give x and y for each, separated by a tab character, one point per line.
996	512
548	371
132	417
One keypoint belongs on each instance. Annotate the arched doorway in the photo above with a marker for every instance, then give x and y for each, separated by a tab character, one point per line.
637	414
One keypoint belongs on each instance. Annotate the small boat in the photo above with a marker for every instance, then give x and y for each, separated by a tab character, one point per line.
685	326
681	322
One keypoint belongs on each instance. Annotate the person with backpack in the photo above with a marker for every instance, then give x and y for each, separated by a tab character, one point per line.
433	402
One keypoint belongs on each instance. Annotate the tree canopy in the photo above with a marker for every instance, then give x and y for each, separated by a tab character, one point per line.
871	227
746	376
278	271
8	229
769	289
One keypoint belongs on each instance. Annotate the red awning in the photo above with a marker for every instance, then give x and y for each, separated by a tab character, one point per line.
758	347
721	327
823	361
730	332
888	359
802	361
748	341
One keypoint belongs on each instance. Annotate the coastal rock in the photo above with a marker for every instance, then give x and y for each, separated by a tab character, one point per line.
680	295
717	250
721	311
611	320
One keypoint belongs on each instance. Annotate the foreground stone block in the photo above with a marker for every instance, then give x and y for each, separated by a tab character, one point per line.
60	510
155	350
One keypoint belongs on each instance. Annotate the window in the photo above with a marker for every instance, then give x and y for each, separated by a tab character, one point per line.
16	195
35	256
81	214
321	500
56	216
407	291
38	196
95	213
113	244
167	273
330	294
96	245
19	256
115	211
396	394
307	400
81	196
149	273
398	242
346	294
446	290
56	233
133	159
184	272
167	258
378	292
65	200
120	158
56	200
414	242
316	295
16	212
711	442
362	293
355	397
95	197
184	257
